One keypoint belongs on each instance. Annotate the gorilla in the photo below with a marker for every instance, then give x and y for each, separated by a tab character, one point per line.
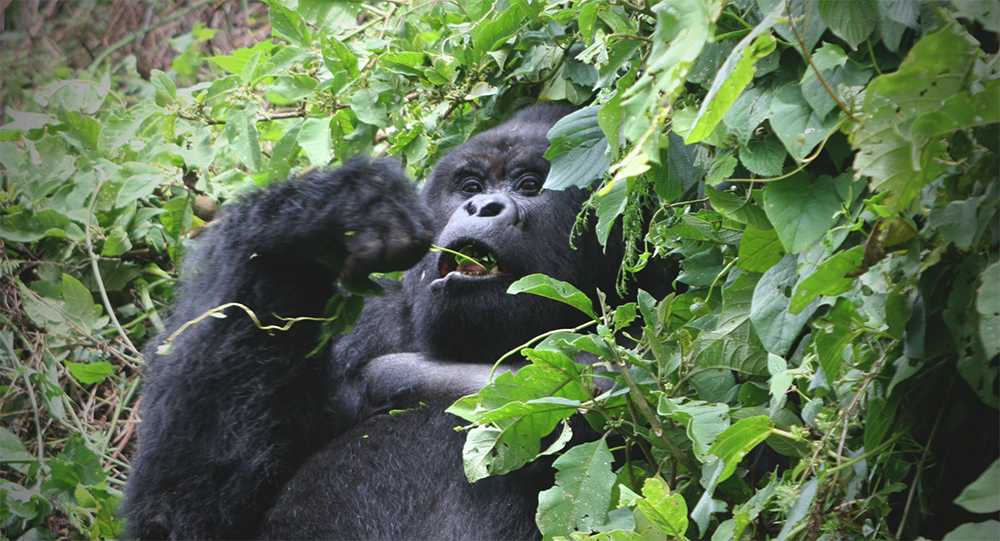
246	435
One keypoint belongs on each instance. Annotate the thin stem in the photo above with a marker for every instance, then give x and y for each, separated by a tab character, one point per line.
535	340
826	86
97	275
805	161
177	15
923	459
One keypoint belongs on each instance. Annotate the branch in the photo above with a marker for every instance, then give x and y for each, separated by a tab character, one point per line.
180	14
826	86
97	275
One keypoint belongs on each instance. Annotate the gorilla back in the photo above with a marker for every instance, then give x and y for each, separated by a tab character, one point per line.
245	436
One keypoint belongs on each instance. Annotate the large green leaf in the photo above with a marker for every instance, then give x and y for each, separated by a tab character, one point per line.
983	494
734	75
580	499
796	124
660	512
852	21
802	209
739	439
988	306
776	326
315	140
578	151
831	277
546	286
845	79
932	73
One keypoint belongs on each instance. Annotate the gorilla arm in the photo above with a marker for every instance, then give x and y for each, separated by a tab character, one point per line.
230	411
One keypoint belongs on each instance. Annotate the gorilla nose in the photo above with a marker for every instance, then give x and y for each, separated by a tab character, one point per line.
494	206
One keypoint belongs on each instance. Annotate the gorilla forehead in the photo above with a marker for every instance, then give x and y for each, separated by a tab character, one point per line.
520	142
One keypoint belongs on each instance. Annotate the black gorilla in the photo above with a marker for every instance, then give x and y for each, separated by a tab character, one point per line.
244	436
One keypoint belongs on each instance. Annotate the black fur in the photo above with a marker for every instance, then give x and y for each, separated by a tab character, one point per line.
244	436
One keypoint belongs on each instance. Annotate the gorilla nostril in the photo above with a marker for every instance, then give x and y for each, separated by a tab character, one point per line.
491	209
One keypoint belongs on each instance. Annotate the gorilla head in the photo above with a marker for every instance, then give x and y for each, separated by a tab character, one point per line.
487	202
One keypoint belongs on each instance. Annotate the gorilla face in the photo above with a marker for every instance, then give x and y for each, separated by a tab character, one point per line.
487	202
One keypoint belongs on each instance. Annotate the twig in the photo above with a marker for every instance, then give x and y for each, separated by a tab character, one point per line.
923	459
97	274
534	340
805	161
219	312
179	14
39	441
826	86
265	118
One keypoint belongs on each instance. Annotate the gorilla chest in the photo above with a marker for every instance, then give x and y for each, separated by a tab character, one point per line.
400	477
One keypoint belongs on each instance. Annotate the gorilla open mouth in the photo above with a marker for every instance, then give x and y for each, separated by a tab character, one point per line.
472	259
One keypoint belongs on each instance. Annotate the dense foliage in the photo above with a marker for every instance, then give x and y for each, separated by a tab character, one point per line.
823	171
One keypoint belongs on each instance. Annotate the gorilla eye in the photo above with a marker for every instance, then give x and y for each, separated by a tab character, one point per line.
472	185
529	184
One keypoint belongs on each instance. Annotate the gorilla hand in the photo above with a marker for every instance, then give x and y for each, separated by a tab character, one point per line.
386	227
363	217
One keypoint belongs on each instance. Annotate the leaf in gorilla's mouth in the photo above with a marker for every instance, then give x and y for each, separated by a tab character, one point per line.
468	259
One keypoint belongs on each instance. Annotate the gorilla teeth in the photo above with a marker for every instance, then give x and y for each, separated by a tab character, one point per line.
470	260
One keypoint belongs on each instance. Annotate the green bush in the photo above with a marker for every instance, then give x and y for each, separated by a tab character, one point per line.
824	172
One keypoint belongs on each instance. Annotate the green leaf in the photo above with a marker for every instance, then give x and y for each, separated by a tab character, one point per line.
241	129
166	91
759	249
665	514
26	226
765	157
796	124
290	89
523	407
851	21
738	440
315	141
748	111
805	17
610	206
985	13
974	531
79	303
73	95
830	278
289	25
775	325
117	243
988	307
845	79
956	222
284	153
546	286
580	499
682	29
702	421
983	494
90	373
578	151
734	75
737	207
11	448
140	180
493	31
732	343
802	209
933	72
367	108
799	509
